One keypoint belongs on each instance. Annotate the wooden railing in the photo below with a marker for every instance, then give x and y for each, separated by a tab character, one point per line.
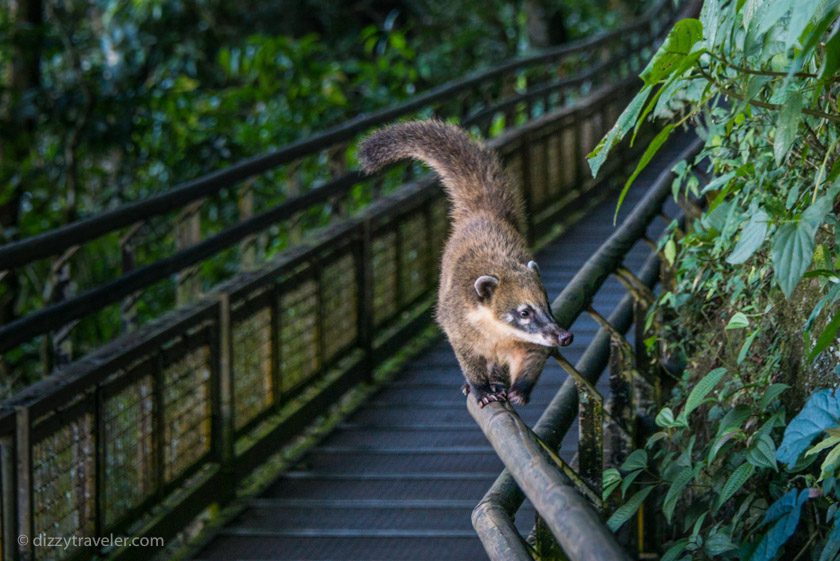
147	431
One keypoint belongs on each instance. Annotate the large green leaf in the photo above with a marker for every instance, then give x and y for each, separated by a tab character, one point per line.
674	49
710	19
787	124
752	236
701	389
628	509
785	515
683	478
734	483
636	460
804	14
762	452
648	155
793	250
621	127
828	335
821	412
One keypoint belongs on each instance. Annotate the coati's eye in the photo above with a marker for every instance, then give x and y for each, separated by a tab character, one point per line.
525	313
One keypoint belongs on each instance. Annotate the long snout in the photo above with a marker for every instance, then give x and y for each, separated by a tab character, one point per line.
557	336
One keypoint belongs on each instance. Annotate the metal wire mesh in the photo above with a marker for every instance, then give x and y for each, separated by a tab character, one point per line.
298	334
414	258
63	483
384	277
129	449
539	189
340	305
555	171
186	412
252	381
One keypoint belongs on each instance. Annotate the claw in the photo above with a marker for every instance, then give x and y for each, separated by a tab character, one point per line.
498	394
465	389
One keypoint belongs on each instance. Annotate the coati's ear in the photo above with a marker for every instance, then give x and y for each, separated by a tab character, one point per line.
534	267
485	285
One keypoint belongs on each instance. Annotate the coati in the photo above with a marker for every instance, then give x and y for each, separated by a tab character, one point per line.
491	302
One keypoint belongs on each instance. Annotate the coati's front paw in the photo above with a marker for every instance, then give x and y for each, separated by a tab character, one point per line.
517	397
497	393
489	398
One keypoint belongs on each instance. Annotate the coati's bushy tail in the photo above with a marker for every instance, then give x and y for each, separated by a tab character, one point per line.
471	173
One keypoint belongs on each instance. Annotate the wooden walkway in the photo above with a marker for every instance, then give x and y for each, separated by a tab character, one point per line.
398	480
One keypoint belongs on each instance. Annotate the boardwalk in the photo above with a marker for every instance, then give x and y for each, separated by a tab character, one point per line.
399	478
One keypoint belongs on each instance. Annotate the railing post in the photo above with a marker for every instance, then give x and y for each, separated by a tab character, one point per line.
225	432
188	233
23	449
527	186
248	246
8	484
364	272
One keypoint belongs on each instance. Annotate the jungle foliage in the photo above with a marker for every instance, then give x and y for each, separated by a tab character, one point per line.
748	323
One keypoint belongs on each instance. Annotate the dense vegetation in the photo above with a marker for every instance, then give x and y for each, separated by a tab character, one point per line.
748	324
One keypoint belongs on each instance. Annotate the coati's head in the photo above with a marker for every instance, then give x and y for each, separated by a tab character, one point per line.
516	305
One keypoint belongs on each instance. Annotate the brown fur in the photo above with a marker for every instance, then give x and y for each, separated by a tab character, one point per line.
499	357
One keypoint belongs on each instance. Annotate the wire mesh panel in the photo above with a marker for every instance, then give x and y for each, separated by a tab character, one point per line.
438	228
555	164
414	268
384	276
129	447
299	356
253	383
63	478
187	413
536	157
340	305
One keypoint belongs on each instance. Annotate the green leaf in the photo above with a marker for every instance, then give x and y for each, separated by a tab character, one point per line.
621	127
679	546
670	251
709	17
827	442
821	412
745	348
648	155
785	513
770	395
828	335
752	236
832	543
720	441
610	480
831	61
636	460
718	543
793	250
628	509
787	124
701	389
718	182
674	49
738	321
675	491
736	480
829	465
762	453
771	13
799	20
628	481
665	418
